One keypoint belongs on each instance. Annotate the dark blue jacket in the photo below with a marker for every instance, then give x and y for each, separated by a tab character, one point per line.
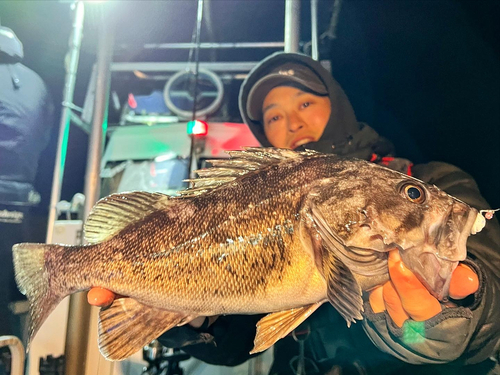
26	116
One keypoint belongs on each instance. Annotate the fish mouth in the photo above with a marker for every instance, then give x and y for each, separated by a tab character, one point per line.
434	262
436	274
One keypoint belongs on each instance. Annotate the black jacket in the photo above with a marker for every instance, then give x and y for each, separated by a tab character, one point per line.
465	335
26	112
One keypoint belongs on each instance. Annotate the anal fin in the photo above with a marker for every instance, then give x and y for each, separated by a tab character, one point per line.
127	326
275	326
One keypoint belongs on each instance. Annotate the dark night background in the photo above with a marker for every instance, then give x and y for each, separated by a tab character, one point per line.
426	74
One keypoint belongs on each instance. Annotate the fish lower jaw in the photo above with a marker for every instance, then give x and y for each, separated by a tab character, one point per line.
431	270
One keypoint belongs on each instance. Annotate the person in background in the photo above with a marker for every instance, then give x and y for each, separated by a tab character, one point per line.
26	114
291	101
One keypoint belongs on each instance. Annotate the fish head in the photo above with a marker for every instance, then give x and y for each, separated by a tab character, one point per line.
373	210
447	225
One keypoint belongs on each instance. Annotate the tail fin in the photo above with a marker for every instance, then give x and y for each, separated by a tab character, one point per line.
33	280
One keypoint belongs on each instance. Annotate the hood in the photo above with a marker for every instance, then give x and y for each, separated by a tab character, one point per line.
342	124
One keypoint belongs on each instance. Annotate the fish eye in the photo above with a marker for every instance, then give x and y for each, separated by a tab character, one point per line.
414	193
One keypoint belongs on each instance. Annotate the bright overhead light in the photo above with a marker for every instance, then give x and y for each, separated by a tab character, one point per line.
166	156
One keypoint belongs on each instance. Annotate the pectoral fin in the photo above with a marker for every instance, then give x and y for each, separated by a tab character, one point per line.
344	292
127	326
277	325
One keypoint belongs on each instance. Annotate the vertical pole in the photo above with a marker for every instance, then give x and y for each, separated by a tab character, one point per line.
79	309
292	25
314	30
69	89
193	160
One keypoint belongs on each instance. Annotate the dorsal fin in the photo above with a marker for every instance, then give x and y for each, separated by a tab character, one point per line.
113	213
239	164
269	155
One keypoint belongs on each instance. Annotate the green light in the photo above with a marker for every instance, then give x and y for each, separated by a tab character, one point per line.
413	332
64	147
190	126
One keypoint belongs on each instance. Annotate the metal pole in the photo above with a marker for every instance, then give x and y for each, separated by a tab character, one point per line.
17	352
79	309
314	30
292	25
214	45
199	19
69	89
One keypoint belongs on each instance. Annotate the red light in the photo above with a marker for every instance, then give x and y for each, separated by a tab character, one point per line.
132	103
197	127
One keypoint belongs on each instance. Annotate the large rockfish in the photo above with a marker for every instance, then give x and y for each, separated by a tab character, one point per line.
267	231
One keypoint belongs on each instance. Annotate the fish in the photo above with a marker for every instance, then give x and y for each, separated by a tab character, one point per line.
266	231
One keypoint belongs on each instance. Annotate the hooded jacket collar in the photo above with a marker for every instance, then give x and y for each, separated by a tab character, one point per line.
343	135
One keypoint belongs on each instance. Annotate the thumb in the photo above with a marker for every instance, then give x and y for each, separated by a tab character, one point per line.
376	299
100	297
464	282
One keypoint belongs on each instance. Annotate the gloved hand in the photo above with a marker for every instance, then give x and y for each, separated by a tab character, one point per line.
405	297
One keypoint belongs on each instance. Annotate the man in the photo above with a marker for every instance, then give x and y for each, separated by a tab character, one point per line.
291	101
25	120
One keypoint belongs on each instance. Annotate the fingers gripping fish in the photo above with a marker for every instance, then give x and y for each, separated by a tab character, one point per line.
266	231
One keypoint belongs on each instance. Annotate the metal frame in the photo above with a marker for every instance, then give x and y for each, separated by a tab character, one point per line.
292	25
79	309
215	45
245	66
69	89
314	30
17	351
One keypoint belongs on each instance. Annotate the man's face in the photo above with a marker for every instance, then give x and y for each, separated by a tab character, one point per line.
292	117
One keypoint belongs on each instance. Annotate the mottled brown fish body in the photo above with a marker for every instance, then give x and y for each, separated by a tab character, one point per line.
267	231
222	280
235	250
